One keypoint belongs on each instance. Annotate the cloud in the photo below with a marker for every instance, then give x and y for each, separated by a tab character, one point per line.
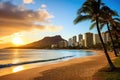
43	6
28	1
12	12
18	18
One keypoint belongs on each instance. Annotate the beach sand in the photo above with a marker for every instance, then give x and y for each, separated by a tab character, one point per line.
74	69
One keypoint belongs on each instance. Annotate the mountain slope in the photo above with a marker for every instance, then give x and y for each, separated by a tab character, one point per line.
44	43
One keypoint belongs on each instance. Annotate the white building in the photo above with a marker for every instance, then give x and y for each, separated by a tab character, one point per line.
54	46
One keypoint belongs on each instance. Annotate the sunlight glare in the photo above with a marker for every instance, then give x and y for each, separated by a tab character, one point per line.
18	68
17	41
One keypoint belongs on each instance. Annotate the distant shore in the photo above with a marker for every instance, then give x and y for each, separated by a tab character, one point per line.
74	69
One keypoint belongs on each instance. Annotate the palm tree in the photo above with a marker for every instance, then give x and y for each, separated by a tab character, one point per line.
116	27
107	14
116	32
106	19
91	10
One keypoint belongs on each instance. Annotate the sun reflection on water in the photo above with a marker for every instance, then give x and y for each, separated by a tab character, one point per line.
18	68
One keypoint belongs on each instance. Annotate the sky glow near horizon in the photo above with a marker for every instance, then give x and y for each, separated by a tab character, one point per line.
32	20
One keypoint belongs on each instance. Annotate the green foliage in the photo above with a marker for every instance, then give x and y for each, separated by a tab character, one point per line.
93	26
109	45
81	18
112	75
117	62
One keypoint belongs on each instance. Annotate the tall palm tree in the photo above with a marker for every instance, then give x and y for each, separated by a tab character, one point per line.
91	10
116	26
116	32
107	15
106	19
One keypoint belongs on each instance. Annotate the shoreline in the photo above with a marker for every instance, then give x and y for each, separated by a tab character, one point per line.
39	73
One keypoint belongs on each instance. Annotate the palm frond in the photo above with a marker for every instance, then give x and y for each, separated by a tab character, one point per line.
83	10
117	19
86	8
106	10
81	18
114	13
92	26
102	25
93	20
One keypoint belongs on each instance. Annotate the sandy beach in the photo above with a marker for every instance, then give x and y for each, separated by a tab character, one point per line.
74	69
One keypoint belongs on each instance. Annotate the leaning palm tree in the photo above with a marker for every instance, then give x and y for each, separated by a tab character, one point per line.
106	19
91	10
116	27
116	32
107	15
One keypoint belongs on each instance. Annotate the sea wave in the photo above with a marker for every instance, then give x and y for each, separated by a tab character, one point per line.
36	61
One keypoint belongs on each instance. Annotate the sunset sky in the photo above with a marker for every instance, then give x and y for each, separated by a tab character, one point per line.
31	20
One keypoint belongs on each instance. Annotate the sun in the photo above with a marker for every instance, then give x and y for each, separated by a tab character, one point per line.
17	41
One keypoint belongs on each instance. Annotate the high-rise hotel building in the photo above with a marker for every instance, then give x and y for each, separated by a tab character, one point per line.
74	39
96	39
88	39
80	37
80	40
70	42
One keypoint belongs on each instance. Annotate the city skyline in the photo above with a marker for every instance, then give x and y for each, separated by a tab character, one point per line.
32	20
88	39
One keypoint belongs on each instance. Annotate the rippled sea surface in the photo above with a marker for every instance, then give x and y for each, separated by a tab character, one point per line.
34	57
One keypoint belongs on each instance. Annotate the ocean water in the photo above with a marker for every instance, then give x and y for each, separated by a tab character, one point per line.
14	60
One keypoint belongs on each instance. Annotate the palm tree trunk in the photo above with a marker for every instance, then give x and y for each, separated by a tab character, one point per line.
112	67
113	44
